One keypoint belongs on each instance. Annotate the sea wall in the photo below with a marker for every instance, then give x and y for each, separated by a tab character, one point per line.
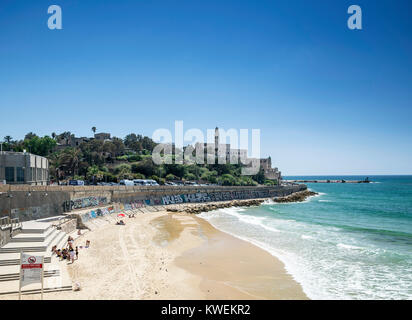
36	202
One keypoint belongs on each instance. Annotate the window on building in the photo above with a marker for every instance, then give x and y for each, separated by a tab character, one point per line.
9	174
29	175
20	174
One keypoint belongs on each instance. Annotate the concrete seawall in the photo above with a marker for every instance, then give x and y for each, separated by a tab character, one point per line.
36	202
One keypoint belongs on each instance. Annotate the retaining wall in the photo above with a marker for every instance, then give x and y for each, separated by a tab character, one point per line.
36	202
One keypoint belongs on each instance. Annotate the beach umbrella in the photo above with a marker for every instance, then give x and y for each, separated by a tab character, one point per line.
121	215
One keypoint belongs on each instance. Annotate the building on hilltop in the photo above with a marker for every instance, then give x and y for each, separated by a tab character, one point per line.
102	136
24	168
74	142
221	150
270	173
71	141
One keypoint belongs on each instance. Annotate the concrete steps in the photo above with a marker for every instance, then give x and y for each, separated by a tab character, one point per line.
35	227
33	246
10	259
51	284
17	247
37	238
10	273
33	237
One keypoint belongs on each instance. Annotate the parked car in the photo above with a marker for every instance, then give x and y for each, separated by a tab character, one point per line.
76	183
152	182
126	182
139	182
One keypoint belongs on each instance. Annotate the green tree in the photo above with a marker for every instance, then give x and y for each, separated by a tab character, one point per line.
171	177
40	146
54	167
145	167
178	170
260	176
227	180
190	176
70	159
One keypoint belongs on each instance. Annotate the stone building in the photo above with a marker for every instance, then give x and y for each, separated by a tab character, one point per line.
24	168
224	150
270	173
102	136
71	141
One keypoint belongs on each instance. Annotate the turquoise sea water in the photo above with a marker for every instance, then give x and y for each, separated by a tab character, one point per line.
353	241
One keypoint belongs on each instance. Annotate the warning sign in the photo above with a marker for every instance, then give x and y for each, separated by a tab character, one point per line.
31	269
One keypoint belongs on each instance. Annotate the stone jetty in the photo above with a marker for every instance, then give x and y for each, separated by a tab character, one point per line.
296	197
196	208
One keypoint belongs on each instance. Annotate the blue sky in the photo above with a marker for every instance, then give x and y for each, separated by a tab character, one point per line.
328	100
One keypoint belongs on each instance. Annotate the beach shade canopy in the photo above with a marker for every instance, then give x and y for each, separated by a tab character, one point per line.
121	215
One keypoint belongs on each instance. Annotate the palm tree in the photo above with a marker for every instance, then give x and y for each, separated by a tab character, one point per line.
94	129
70	158
53	135
55	164
8	139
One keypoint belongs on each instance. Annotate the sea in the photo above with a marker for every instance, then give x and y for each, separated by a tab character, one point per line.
352	241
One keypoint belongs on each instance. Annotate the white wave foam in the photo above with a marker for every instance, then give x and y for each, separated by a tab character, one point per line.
268	202
248	219
325	200
306	237
348	246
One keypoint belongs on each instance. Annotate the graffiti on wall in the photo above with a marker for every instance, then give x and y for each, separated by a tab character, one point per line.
80	203
214	196
100	212
31	213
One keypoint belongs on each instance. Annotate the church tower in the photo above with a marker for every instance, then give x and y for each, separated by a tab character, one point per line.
216	137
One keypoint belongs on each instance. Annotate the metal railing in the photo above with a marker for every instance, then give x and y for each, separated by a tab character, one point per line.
62	220
15	223
4	222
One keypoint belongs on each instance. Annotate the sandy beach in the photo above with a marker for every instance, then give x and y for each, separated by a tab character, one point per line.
164	255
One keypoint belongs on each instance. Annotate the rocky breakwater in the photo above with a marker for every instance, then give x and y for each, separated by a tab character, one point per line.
204	207
296	197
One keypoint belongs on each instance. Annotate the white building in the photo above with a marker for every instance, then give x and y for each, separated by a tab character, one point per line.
24	168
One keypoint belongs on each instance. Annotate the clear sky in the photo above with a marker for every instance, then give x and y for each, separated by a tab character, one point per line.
328	100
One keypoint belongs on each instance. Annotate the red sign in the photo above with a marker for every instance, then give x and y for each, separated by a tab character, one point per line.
32	266
31	259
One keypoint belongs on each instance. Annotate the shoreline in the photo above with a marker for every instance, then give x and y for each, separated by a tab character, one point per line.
169	255
249	269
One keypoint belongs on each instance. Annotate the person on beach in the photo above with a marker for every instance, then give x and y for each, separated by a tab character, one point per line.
71	253
59	254
77	253
64	254
87	243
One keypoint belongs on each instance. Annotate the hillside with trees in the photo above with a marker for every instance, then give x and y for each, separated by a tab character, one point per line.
115	159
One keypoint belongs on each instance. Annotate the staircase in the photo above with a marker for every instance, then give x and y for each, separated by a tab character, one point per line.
37	238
